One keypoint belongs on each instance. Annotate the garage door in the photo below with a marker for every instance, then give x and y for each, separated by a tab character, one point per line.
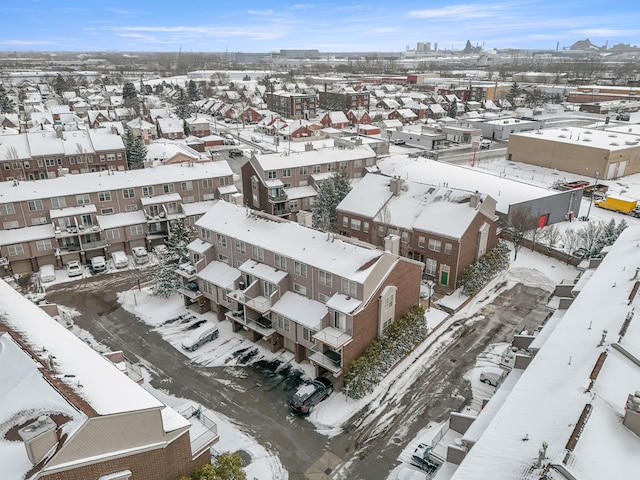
21	266
289	344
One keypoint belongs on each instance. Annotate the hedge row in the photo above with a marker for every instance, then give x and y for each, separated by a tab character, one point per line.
477	275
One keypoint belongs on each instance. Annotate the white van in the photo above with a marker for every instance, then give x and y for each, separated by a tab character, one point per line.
201	335
98	264
492	375
47	273
485	143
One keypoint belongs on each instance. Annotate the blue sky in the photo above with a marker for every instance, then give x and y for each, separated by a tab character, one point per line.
256	26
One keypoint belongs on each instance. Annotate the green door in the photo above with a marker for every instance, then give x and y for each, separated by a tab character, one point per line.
444	278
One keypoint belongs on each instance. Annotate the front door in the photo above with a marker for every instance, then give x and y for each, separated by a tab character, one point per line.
444	278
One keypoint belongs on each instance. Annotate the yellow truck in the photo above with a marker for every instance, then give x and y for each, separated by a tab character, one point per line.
617	204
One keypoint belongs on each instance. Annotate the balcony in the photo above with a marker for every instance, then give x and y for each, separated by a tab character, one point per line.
262	325
333	338
330	360
279	196
186	271
252	297
94	245
236	316
203	431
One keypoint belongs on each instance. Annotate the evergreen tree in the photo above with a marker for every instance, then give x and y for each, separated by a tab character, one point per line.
468	48
182	107
135	150
453	109
513	93
166	282
332	191
227	466
179	238
60	85
192	91
6	104
130	97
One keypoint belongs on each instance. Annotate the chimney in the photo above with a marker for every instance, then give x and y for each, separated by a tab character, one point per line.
59	132
396	185
474	200
39	438
392	244
308	147
304	218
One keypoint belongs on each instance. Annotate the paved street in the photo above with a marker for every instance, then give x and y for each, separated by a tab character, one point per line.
257	399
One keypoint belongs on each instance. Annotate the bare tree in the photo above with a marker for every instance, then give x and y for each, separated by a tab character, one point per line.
550	235
521	221
589	235
571	240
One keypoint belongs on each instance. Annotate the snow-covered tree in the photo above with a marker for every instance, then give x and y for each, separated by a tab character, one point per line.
182	106
135	150
192	91
550	235
589	235
520	222
226	466
179	238
453	109
571	240
6	104
165	280
332	191
130	97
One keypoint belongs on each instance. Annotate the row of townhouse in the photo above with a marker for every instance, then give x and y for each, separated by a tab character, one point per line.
293	105
49	153
318	296
284	184
77	217
447	229
68	413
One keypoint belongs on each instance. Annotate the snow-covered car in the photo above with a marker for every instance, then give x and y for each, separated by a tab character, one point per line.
120	259
98	264
47	273
140	255
309	395
201	335
161	250
74	268
255	139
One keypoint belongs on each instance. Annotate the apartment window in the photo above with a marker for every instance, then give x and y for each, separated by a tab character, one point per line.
34	205
172	208
293	204
281	262
325	278
283	323
331	167
7	209
111	157
10	225
50	162
448	248
168	188
7	166
345	222
147	191
286	172
435	245
349	287
223	258
370	162
136	230
59	202
257	253
128	193
104	196
119	155
301	289
205	235
40	163
221	239
112	234
72	160
340	321
43	245
83	199
316	169
307	334
90	158
271	174
186	186
80	159
355	224
302	170
130	208
365	227
106	211
101	158
421	241
300	269
240	246
404	237
357	163
343	165
38	221
15	250
192	199
431	266
207	183
323	298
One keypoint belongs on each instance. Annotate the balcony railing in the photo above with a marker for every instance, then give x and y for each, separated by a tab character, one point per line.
281	196
333	337
203	432
94	245
323	360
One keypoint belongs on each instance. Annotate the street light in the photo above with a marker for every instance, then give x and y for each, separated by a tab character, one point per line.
430	284
592	190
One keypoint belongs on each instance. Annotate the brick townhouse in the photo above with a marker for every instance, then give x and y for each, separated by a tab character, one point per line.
77	217
50	153
282	184
293	287
68	413
296	106
348	99
446	228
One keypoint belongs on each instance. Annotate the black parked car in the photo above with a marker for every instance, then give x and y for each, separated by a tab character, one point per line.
309	395
235	152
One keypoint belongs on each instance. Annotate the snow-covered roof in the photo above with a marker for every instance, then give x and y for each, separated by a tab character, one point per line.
220	274
277	161
300	309
295	193
585	137
71	211
124	219
199	246
196	208
103	181
547	403
291	240
165	198
343	303
263	271
26	234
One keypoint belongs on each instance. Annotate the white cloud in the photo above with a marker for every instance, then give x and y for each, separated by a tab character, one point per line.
455	12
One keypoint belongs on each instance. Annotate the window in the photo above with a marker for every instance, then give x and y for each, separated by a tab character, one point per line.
168	188
345	222
240	246
448	248
365	227
34	205
435	245
404	237
281	262
186	186
283	323
104	196
421	242
128	193
90	158
357	163
10	225
302	170
72	160
192	199
355	224
286	172
271	174
83	199
223	258
119	156
349	287
59	202
50	162
80	159
301	289
111	157
112	234
147	191
38	221
7	209
106	211
431	266
340	321
7	166
257	253
331	167
307	334
43	245
343	165
316	169
102	158
40	163
136	230
130	208
207	183
300	268
15	250
323	298
221	239
325	278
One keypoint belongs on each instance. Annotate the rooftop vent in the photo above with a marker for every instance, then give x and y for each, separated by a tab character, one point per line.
39	438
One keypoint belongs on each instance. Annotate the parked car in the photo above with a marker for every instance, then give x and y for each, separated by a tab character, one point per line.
623	116
309	395
581	253
47	273
140	255
161	250
120	259
201	335
236	152
74	268
98	264
399	141
492	375
485	143
255	139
